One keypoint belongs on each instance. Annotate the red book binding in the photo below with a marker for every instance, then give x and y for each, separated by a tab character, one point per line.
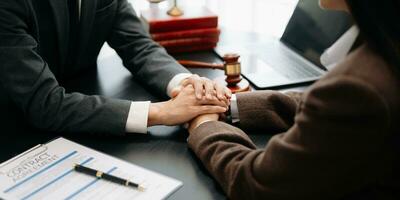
194	18
187	42
208	32
186	49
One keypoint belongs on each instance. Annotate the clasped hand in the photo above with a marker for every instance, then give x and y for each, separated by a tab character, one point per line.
194	97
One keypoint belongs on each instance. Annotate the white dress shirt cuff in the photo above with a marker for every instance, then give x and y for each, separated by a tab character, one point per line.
176	81
234	109
137	117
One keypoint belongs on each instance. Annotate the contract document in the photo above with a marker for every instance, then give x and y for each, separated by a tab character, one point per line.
47	172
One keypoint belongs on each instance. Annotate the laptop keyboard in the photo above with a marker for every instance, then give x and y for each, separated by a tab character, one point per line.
291	67
294	70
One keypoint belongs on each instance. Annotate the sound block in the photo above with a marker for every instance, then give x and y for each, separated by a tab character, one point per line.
242	86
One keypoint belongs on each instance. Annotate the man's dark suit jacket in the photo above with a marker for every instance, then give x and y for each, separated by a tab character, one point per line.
339	138
34	61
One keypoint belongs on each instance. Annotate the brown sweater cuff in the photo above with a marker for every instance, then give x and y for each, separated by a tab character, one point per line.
215	131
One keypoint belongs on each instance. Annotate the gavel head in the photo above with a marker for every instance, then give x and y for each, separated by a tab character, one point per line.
232	69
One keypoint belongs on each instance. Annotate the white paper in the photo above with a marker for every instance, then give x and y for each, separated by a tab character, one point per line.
46	172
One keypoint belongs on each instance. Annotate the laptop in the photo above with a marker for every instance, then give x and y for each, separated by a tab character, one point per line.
295	57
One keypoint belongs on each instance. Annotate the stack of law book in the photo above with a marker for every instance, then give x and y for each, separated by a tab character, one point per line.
196	30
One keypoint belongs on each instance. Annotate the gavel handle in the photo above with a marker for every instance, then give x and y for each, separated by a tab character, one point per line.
198	64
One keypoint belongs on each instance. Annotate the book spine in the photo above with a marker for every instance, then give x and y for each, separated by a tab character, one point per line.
185	24
186	49
210	32
187	42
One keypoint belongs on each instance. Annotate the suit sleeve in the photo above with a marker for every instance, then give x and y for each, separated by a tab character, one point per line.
334	147
31	85
144	58
267	110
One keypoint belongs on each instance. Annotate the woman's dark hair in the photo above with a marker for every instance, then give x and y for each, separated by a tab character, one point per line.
379	24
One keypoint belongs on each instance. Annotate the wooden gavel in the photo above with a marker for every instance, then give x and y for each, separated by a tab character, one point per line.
232	67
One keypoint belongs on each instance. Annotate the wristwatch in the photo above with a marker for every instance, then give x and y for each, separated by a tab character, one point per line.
228	116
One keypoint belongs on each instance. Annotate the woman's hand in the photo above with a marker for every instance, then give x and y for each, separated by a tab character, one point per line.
183	108
196	122
204	87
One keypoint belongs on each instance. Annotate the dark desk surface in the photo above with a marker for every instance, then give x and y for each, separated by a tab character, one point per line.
163	150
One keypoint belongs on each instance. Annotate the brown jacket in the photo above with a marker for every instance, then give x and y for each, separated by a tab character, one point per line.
335	139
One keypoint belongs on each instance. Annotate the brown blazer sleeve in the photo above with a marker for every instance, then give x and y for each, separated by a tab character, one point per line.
267	110
334	147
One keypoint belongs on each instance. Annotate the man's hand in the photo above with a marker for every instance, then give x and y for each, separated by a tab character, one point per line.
204	87
196	122
183	108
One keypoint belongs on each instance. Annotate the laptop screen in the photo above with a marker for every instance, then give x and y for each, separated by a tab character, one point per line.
311	30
